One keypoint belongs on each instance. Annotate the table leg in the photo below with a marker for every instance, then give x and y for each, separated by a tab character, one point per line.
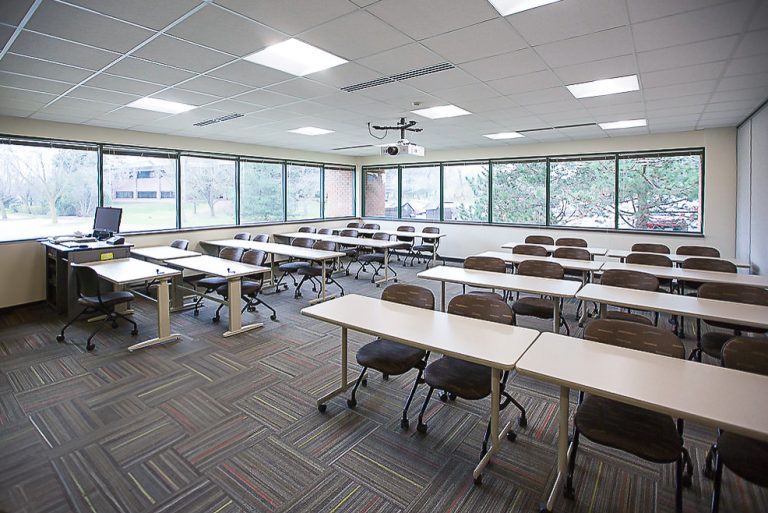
345	382
442	296
386	277
496	436
603	310
562	448
233	304
556	314
163	320
322	284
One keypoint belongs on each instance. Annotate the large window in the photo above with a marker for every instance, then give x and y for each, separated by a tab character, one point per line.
261	192
380	192
303	191
465	192
339	187
520	192
207	191
46	189
420	196
582	192
660	192
143	185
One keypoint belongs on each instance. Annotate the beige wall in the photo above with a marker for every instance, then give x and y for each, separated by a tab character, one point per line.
719	191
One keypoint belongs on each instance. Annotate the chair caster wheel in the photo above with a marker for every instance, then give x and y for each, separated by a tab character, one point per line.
134	332
421	427
251	309
355	277
404	424
90	347
395	280
444	397
114	325
60	338
196	313
378	285
273	317
522	421
511	436
364	382
385	377
569	493
351	403
322	407
707	472
687	481
478	480
452	397
216	320
544	509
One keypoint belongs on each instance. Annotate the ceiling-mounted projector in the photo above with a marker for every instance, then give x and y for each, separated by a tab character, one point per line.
402	147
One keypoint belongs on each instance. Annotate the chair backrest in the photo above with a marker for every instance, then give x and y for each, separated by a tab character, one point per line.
180	244
572	242
572	253
633	335
735	293
429	229
630	279
349	233
254	257
748	354
646	247
324	245
302	243
481	263
87	281
380	236
409	229
484	308
307	229
325	231
540	239
524	249
702	251
242	236
709	264
371	226
541	268
649	259
261	237
411	295
355	225
230	253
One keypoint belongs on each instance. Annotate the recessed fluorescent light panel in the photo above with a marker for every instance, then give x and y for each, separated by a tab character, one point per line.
603	87
504	135
160	105
443	111
630	123
310	130
295	57
507	7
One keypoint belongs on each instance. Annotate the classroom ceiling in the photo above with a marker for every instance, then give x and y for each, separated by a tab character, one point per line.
700	63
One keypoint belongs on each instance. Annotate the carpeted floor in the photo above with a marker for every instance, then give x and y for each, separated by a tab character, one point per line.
219	425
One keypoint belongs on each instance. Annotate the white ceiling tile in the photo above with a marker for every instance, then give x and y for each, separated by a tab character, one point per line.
391	91
354	36
222	30
5	34
553	94
674	91
12	12
709	71
486	39
757	80
79	108
251	74
612	99
419	19
474	91
760	18
123	85
511	64
57	50
235	106
345	75
122	125
140	69
69	117
759	94
596	70
178	53
747	66
712	22
566	107
448	79
132	116
568	19
148	13
523	83
592	47
184	96
290	16
734	106
186	120
266	98
688	54
101	95
37	68
643	10
625	132
213	86
24	99
302	88
664	103
485	105
86	27
725	117
753	43
583	132
401	59
33	83
344	100
675	112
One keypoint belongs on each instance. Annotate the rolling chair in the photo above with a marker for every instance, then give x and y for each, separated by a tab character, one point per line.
250	286
540	239
290	267
351	252
325	231
406	243
211	283
180	244
571	242
428	247
392	358
630	280
355	225
649	435
307	229
526	249
370	226
313	271
374	259
94	301
242	236
490	264
690	287
466	380
540	307
261	237
700	251
646	247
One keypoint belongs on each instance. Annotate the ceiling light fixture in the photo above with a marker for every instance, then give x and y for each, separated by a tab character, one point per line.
295	57
606	86
310	130
629	123
158	105
504	135
507	7
442	111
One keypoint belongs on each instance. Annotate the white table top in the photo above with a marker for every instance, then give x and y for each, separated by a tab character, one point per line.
506	281
349	241
278	249
678	273
483	342
567	263
217	266
129	270
161	253
678	259
688	306
551	249
409	235
708	394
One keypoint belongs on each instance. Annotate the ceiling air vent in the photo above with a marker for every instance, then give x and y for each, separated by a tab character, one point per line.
218	120
399	76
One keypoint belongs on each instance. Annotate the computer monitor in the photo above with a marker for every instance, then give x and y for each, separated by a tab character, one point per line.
106	221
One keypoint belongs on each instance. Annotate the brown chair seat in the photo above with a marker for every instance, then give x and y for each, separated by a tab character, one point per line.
212	282
293	266
644	433
747	457
535	307
483	293
389	357
107	298
465	379
246	287
712	342
626	316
